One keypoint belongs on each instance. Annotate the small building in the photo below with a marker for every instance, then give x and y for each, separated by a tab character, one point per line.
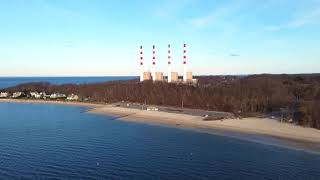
73	97
35	95
4	95
43	95
152	108
17	95
159	76
57	96
146	76
194	81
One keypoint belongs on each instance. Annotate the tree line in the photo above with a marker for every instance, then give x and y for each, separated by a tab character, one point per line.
295	97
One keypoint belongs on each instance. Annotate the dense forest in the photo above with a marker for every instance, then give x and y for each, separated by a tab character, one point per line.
294	97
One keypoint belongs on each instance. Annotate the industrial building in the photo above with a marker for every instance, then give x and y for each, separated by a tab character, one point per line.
159	76
146	76
172	76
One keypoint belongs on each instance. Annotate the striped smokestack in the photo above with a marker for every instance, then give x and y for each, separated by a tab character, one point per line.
153	63
141	64
184	63
169	63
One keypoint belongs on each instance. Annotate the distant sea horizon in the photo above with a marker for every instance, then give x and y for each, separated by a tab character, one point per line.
10	81
6	82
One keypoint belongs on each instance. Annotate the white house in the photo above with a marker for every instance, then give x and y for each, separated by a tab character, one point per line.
35	95
73	97
57	96
4	95
17	94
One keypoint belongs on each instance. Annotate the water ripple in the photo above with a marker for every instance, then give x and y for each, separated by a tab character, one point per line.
59	142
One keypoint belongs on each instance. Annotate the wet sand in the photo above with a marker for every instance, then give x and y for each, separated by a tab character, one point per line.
246	125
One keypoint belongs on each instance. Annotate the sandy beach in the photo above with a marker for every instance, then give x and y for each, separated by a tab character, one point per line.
246	125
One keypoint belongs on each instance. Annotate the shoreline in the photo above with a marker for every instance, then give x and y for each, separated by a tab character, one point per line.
41	101
261	126
258	126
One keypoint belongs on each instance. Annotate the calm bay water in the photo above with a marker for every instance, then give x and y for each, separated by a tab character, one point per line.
12	81
56	141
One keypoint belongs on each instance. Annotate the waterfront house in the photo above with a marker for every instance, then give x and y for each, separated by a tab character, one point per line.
43	95
73	97
35	95
4	95
17	95
57	96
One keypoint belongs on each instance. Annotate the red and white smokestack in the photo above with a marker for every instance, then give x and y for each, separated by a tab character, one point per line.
153	71
169	63
141	64
184	63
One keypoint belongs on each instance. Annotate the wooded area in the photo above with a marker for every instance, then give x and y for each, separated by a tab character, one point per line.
295	97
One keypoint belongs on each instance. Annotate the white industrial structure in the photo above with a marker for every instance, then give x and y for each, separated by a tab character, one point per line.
141	64
169	64
153	70
184	63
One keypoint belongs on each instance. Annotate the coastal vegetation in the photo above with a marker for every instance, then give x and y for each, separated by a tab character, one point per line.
291	98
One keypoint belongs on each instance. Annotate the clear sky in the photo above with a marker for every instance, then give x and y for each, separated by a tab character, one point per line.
102	37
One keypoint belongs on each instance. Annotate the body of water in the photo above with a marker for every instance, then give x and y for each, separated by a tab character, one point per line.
13	81
39	141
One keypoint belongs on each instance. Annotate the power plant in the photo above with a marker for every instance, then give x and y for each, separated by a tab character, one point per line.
172	76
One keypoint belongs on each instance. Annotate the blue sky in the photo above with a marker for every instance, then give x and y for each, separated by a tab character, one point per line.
98	37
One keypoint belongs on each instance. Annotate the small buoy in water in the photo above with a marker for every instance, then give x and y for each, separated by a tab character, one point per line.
190	154
98	163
